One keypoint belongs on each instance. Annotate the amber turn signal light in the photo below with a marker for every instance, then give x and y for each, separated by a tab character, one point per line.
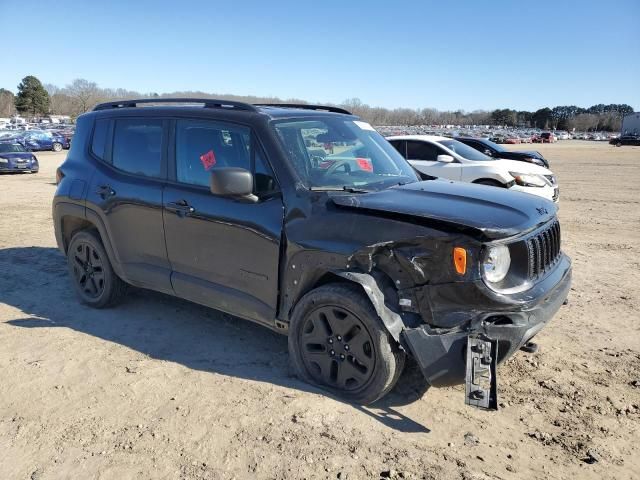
460	260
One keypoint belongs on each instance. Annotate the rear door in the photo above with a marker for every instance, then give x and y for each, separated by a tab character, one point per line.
224	253
423	156
126	193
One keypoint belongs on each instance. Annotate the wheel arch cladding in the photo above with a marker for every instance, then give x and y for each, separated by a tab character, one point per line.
71	224
392	321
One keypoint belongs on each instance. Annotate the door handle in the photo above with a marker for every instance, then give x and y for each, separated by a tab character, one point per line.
180	207
105	191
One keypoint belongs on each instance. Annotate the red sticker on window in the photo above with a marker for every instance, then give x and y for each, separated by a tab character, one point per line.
326	164
365	164
208	160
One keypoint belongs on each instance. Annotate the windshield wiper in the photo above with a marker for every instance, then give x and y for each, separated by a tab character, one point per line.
344	188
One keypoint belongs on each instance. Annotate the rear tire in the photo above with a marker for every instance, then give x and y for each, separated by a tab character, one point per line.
57	147
93	278
338	342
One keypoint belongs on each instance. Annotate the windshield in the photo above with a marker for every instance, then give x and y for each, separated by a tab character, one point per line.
335	153
465	151
11	148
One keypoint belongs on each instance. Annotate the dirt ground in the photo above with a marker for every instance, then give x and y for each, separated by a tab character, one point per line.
160	388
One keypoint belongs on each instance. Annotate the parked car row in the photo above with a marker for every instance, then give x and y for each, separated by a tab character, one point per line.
38	140
496	135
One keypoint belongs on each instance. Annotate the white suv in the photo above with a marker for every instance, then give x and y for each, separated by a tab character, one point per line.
448	158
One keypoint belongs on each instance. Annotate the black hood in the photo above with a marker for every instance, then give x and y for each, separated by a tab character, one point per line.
530	153
522	155
489	212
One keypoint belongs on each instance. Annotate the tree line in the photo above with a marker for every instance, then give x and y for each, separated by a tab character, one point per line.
34	98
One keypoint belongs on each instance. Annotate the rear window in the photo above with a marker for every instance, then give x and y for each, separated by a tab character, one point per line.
99	142
137	146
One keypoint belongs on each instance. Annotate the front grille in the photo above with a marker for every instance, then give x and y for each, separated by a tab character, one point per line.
544	250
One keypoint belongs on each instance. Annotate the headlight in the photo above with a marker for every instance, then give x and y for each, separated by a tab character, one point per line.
3	160
496	263
529	179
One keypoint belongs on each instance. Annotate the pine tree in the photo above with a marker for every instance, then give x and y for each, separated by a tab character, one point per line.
32	97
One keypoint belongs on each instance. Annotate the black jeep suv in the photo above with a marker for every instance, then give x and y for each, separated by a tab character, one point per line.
304	219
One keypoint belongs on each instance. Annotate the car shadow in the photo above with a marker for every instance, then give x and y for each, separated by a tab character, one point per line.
162	327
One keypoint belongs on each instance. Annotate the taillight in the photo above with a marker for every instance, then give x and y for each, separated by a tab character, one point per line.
59	176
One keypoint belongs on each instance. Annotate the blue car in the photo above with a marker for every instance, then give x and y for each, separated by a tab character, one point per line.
15	158
36	140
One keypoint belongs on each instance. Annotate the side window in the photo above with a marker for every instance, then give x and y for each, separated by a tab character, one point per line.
475	145
400	146
99	141
202	146
422	151
137	146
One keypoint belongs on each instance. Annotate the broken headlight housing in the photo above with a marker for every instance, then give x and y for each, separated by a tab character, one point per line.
496	263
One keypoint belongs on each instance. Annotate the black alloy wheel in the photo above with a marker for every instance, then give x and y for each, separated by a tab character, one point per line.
94	280
337	349
88	269
338	342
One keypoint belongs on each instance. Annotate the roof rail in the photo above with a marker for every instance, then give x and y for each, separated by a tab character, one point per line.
206	102
305	106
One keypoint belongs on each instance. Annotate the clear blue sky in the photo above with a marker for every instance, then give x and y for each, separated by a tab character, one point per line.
445	55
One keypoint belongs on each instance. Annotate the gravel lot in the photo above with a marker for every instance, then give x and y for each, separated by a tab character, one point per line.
160	388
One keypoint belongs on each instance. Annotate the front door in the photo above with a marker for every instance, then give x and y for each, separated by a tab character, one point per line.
423	156
224	252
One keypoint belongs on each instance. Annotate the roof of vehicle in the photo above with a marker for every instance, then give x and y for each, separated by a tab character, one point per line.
431	138
477	139
272	110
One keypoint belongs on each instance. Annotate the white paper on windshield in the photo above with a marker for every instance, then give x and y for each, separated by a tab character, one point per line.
364	125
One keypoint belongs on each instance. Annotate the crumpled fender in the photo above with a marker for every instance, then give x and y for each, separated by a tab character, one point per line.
391	319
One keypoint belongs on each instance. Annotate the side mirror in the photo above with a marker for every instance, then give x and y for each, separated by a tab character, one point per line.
444	158
488	152
232	182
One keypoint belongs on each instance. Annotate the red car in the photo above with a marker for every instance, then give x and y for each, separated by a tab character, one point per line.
544	137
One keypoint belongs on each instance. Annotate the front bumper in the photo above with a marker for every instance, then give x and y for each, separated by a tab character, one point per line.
471	309
18	168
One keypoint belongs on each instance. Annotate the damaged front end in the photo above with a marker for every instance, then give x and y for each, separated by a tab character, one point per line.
457	326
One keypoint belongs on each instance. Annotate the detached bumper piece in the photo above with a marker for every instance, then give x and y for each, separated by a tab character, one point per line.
481	388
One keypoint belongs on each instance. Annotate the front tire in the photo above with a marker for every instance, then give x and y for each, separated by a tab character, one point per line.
93	278
338	342
57	147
